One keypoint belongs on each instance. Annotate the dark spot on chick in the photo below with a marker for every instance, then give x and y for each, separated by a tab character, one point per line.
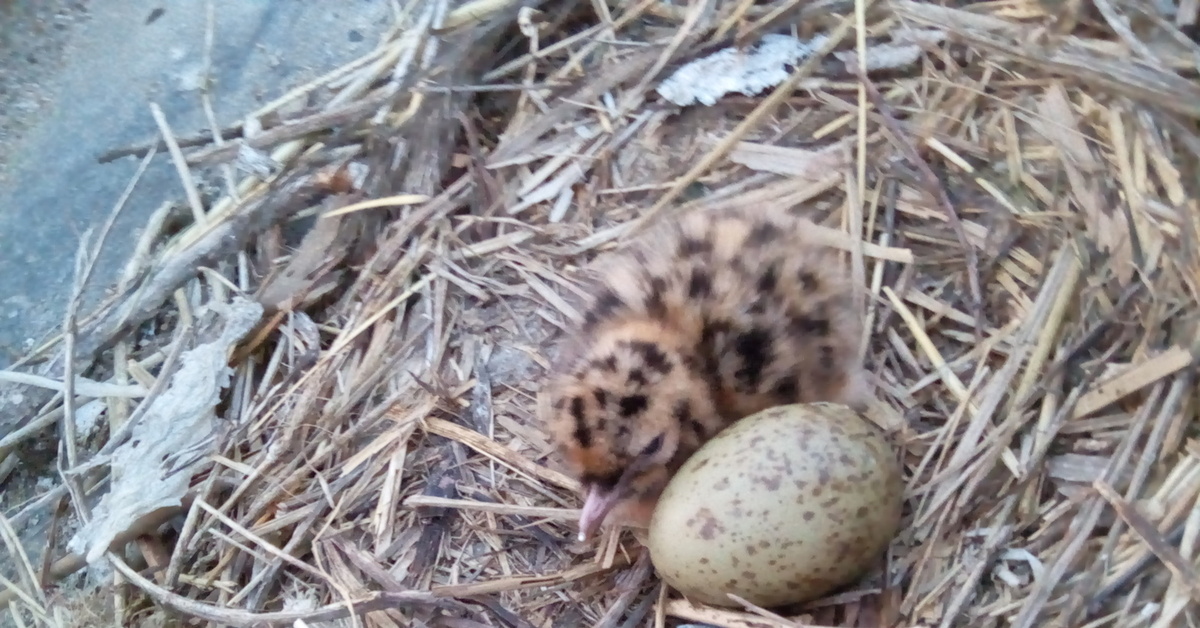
787	389
682	413
608	364
694	246
654	357
633	404
605	305
637	377
708	339
826	359
809	515
769	279
754	347
600	396
712	327
762	233
862	512
658	284
656	304
582	434
808	281
699	284
809	326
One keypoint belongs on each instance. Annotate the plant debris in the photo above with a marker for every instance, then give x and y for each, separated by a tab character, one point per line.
1015	191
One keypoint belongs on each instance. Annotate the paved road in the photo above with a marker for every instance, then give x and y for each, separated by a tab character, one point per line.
87	71
76	79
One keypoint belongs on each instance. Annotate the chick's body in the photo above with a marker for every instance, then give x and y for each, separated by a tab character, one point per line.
697	324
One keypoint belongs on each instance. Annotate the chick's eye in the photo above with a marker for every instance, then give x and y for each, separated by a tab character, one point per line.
653	447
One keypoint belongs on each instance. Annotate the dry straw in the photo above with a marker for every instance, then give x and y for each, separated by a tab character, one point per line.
1017	202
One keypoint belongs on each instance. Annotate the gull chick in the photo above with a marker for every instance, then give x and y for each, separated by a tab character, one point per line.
696	324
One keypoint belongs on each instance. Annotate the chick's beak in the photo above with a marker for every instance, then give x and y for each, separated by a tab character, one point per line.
596	506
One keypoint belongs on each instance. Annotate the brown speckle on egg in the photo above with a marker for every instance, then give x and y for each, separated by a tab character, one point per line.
709	526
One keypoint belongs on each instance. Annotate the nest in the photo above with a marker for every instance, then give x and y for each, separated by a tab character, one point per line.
330	351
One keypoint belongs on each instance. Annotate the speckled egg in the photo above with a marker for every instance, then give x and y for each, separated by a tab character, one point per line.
780	508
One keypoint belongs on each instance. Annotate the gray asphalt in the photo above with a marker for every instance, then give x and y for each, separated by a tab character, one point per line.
93	88
76	80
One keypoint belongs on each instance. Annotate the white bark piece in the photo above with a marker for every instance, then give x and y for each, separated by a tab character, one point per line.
731	70
154	468
751	70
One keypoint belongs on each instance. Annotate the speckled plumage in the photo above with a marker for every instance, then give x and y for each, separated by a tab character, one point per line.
698	323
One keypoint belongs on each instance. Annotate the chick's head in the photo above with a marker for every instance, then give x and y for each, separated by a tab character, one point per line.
628	413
